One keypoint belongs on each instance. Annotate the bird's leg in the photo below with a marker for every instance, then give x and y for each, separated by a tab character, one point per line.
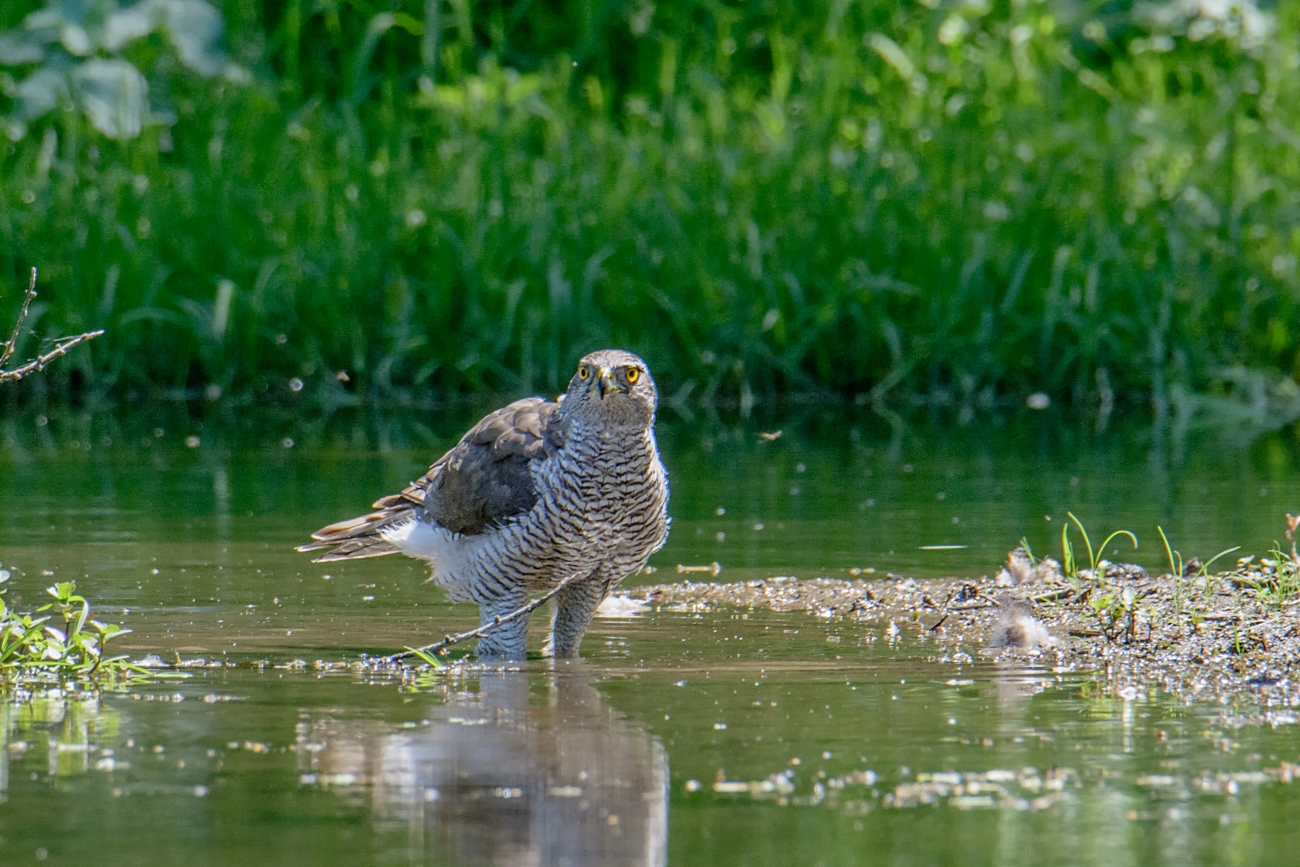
507	640
575	606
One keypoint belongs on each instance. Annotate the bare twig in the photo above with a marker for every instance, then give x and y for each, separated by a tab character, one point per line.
974	606
61	345
37	364
22	315
448	641
1053	596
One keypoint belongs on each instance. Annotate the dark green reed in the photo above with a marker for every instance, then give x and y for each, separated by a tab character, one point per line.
874	199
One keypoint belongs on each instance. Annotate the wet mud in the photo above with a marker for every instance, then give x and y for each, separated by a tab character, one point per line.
1229	638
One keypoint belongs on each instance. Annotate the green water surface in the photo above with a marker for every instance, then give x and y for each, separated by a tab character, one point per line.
722	737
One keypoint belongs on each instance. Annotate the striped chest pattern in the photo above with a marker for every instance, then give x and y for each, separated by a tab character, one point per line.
615	490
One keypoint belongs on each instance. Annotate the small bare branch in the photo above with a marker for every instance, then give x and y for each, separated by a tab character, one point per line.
61	346
18	325
448	641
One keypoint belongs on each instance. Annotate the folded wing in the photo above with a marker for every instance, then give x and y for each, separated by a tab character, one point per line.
485	480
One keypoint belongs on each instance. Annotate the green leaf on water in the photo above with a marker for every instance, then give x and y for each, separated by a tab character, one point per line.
425	656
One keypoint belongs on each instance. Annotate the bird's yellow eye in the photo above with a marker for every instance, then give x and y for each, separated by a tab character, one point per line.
584	372
633	374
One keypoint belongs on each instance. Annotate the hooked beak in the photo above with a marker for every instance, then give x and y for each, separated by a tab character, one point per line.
604	383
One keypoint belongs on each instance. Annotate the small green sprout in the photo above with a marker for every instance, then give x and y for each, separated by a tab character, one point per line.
1069	563
426	657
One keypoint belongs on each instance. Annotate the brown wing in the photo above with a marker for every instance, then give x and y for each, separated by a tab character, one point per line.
487	478
480	483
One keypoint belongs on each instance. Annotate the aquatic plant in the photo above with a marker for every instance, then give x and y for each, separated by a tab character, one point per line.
1176	575
1113	604
1115	609
32	648
1069	561
1181	573
1276	580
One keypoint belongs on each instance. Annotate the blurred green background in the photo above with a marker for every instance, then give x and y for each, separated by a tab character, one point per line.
898	200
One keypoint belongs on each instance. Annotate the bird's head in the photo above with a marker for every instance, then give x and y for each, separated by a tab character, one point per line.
612	387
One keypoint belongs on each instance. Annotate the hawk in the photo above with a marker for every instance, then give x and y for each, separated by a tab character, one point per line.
536	493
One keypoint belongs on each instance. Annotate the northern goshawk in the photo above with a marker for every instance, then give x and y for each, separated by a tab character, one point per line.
535	493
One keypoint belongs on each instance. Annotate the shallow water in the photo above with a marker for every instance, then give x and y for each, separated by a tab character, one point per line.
720	737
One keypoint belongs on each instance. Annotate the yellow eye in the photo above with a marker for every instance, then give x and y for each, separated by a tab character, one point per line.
584	372
633	374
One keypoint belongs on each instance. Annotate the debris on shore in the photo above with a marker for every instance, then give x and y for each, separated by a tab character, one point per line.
1020	568
1205	636
1018	627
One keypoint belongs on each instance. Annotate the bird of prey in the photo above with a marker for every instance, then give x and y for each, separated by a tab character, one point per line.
536	493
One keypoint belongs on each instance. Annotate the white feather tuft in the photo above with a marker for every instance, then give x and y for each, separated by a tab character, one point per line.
418	539
447	553
621	607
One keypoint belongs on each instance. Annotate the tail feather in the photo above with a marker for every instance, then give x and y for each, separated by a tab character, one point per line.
361	537
352	549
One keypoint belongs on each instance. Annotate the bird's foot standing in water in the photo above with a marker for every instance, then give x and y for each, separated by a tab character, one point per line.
507	641
575	606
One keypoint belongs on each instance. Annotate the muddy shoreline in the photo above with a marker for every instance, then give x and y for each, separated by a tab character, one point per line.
1228	638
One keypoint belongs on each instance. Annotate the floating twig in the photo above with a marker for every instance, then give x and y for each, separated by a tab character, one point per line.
712	569
1053	596
974	606
449	640
61	345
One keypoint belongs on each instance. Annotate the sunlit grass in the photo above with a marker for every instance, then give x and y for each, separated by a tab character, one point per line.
874	201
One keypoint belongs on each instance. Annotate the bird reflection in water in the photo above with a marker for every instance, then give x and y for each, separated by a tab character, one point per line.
510	774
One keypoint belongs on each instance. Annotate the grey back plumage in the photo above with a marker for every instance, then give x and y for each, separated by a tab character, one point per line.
482	481
487	478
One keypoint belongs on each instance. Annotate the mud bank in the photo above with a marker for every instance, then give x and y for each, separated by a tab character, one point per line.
1231	638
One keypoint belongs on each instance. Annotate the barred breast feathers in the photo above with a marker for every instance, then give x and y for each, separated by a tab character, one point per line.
572	524
533	492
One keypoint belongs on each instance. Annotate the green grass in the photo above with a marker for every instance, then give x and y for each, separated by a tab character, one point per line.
876	200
